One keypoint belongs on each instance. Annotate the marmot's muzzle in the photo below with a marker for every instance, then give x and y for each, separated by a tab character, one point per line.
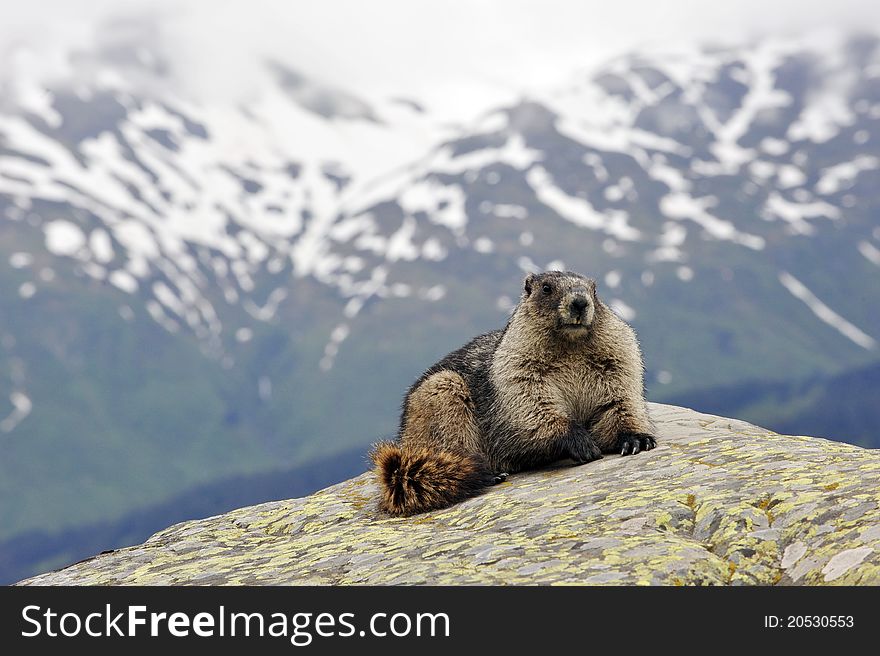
576	309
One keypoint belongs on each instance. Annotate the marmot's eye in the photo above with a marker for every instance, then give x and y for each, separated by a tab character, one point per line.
547	289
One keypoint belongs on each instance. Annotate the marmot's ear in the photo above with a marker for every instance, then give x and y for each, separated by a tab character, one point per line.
528	283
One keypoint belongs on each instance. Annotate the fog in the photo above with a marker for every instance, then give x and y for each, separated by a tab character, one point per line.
450	54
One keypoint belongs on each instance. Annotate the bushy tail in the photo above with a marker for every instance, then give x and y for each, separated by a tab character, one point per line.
418	479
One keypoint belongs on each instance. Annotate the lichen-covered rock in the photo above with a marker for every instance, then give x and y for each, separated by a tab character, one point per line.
719	501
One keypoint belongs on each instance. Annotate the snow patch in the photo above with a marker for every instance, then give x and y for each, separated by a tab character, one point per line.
674	234
790	176
101	246
64	237
340	333
669	176
612	279
761	96
622	310
444	204
842	176
34	98
870	252
400	290
22	407
684	273
775	147
123	280
762	170
507	211
796	214
577	210
433	294
20	260
505	304
400	244
433	250
527	265
27	290
682	206
826	314
159	316
821	119
483	245
268	310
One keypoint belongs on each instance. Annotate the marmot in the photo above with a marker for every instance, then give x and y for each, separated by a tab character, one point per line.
563	379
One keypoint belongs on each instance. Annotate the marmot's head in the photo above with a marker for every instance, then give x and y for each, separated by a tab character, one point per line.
561	301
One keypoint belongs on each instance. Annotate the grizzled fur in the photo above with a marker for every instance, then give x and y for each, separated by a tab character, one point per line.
417	479
563	379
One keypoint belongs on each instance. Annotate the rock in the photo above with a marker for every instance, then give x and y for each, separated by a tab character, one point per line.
719	501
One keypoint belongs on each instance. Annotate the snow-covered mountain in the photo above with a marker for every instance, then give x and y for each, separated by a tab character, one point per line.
251	285
162	198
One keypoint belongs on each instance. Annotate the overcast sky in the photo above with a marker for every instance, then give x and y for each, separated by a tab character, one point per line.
442	51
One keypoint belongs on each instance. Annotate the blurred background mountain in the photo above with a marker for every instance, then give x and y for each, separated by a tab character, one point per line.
229	242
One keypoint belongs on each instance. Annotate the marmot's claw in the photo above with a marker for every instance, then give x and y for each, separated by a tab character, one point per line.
632	443
500	478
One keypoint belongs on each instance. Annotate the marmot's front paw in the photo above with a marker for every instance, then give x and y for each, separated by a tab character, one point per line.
632	443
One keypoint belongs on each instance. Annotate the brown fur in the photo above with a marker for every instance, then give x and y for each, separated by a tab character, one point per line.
563	379
417	479
440	412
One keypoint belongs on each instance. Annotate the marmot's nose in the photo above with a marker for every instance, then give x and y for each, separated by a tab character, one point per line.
577	306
